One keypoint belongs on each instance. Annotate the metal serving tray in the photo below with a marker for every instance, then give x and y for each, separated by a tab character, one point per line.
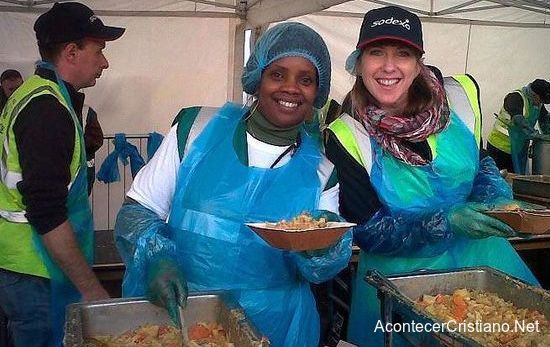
398	294
115	316
534	185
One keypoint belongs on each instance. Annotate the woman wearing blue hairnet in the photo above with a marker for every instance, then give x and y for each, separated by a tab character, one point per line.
183	224
409	168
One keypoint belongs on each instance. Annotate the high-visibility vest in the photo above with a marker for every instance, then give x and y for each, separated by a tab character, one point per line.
463	98
499	136
17	252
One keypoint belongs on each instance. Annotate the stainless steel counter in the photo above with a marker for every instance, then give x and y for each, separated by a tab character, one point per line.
108	265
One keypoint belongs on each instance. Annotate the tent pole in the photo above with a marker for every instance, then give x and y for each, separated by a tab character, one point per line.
235	90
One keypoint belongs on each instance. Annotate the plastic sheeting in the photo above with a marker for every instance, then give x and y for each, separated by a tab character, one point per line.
124	151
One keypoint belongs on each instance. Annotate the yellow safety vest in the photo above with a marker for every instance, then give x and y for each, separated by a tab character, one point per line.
17	251
499	136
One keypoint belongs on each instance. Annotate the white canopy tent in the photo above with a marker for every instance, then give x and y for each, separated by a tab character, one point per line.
179	53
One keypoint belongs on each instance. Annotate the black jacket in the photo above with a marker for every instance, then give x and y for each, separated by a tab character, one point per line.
45	136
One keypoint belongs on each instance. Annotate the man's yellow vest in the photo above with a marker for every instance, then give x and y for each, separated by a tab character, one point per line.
499	136
17	250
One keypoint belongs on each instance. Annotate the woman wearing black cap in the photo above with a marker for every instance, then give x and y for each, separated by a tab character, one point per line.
409	168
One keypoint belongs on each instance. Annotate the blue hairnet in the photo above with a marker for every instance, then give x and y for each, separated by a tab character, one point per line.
289	40
351	61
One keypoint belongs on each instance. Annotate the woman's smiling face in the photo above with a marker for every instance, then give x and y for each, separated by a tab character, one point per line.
388	69
287	91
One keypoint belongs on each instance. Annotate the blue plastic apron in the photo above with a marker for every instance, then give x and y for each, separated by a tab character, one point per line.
215	194
63	292
519	142
405	189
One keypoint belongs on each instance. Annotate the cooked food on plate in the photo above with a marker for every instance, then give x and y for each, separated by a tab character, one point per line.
488	319
510	207
300	222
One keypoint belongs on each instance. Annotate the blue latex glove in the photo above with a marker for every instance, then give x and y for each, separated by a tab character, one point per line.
521	122
327	215
470	221
322	266
166	287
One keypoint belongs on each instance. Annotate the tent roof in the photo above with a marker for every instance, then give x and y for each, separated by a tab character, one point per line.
519	13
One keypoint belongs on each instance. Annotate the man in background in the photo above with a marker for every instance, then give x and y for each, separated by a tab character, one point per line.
514	128
10	80
46	243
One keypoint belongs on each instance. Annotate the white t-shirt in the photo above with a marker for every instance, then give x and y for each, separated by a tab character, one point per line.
162	170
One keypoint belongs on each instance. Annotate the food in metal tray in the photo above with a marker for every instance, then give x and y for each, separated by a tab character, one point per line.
489	319
207	335
146	335
300	222
201	334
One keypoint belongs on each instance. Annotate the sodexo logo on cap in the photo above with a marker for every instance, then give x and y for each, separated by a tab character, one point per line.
391	21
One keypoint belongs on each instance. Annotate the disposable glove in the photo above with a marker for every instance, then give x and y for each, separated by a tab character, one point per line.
166	287
521	122
470	221
327	215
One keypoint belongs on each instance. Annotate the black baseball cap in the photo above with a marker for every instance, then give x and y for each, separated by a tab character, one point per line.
391	23
542	89
71	21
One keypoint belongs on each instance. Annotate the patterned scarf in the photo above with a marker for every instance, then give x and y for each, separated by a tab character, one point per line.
391	131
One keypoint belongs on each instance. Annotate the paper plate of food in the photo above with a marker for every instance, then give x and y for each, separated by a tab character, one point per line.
301	233
524	220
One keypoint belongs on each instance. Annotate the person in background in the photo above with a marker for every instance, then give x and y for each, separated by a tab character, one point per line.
93	140
410	170
10	80
182	227
46	243
514	127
